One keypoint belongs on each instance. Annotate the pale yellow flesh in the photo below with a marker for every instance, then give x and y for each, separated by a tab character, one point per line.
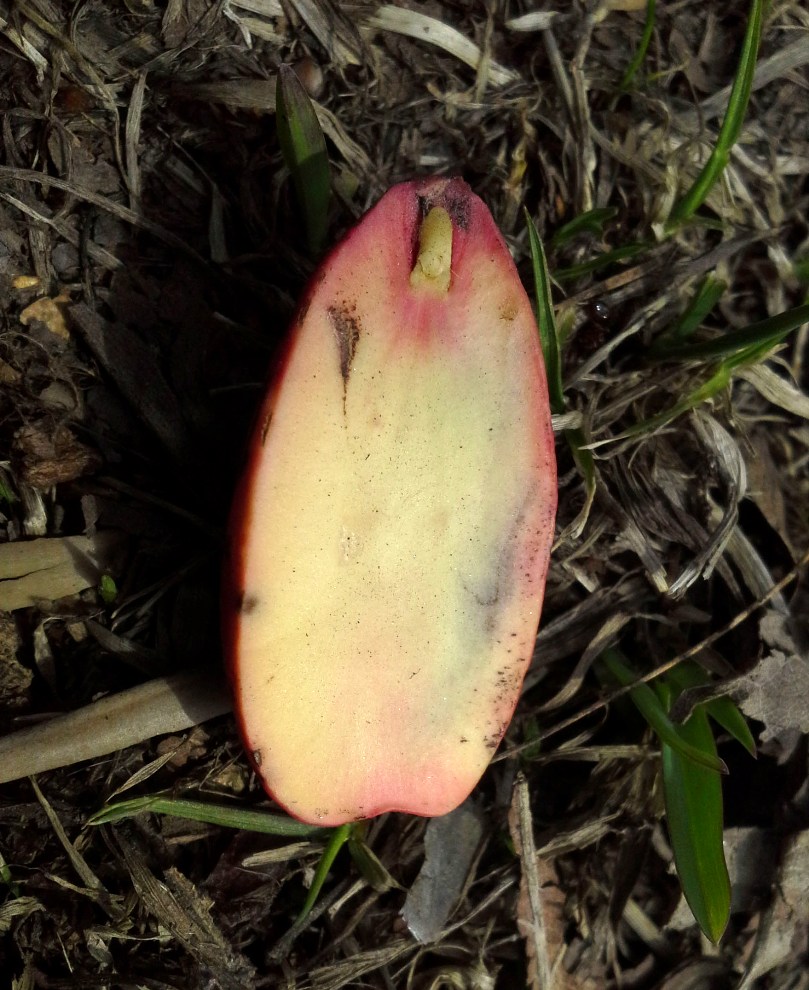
390	593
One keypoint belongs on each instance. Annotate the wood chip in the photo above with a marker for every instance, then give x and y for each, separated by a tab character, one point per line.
33	571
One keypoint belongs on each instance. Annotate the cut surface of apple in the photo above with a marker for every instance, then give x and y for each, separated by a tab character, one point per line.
390	537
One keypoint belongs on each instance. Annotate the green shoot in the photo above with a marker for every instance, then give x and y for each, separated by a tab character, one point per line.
304	150
623	253
694	815
546	319
6	493
549	337
108	589
692	788
801	269
703	302
201	811
731	125
745	343
371	868
740	348
722	710
337	840
643	47
591	222
7	878
649	705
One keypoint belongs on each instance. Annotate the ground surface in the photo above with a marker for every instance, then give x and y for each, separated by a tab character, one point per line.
150	259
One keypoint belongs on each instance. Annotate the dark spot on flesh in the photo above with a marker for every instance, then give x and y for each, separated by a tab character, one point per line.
247	603
347	328
492	741
453	200
508	311
457	205
265	426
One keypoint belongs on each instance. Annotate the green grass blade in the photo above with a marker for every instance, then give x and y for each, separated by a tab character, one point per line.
546	318
591	222
6	494
623	253
650	706
304	150
800	268
764	334
722	710
731	125
372	869
725	712
585	462
693	800
643	47
250	819
7	879
339	837
704	300
718	381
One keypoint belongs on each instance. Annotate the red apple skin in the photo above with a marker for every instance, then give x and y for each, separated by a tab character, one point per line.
390	536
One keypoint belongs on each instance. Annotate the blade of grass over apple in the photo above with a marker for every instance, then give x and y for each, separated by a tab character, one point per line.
249	819
643	46
304	148
694	815
649	705
731	125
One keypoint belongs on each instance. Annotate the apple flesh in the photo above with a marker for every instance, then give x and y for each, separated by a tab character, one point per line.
391	535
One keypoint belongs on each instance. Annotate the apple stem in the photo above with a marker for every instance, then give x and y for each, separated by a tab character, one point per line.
432	268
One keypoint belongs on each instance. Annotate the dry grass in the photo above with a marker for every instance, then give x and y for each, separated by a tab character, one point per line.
142	194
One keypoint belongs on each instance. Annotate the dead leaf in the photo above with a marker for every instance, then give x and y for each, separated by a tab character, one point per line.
450	843
775	691
782	933
45	456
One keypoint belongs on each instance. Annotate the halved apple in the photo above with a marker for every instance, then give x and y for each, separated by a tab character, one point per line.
390	538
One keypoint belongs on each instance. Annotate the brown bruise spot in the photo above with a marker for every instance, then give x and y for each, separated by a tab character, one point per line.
456	203
346	327
453	196
509	310
246	603
265	426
